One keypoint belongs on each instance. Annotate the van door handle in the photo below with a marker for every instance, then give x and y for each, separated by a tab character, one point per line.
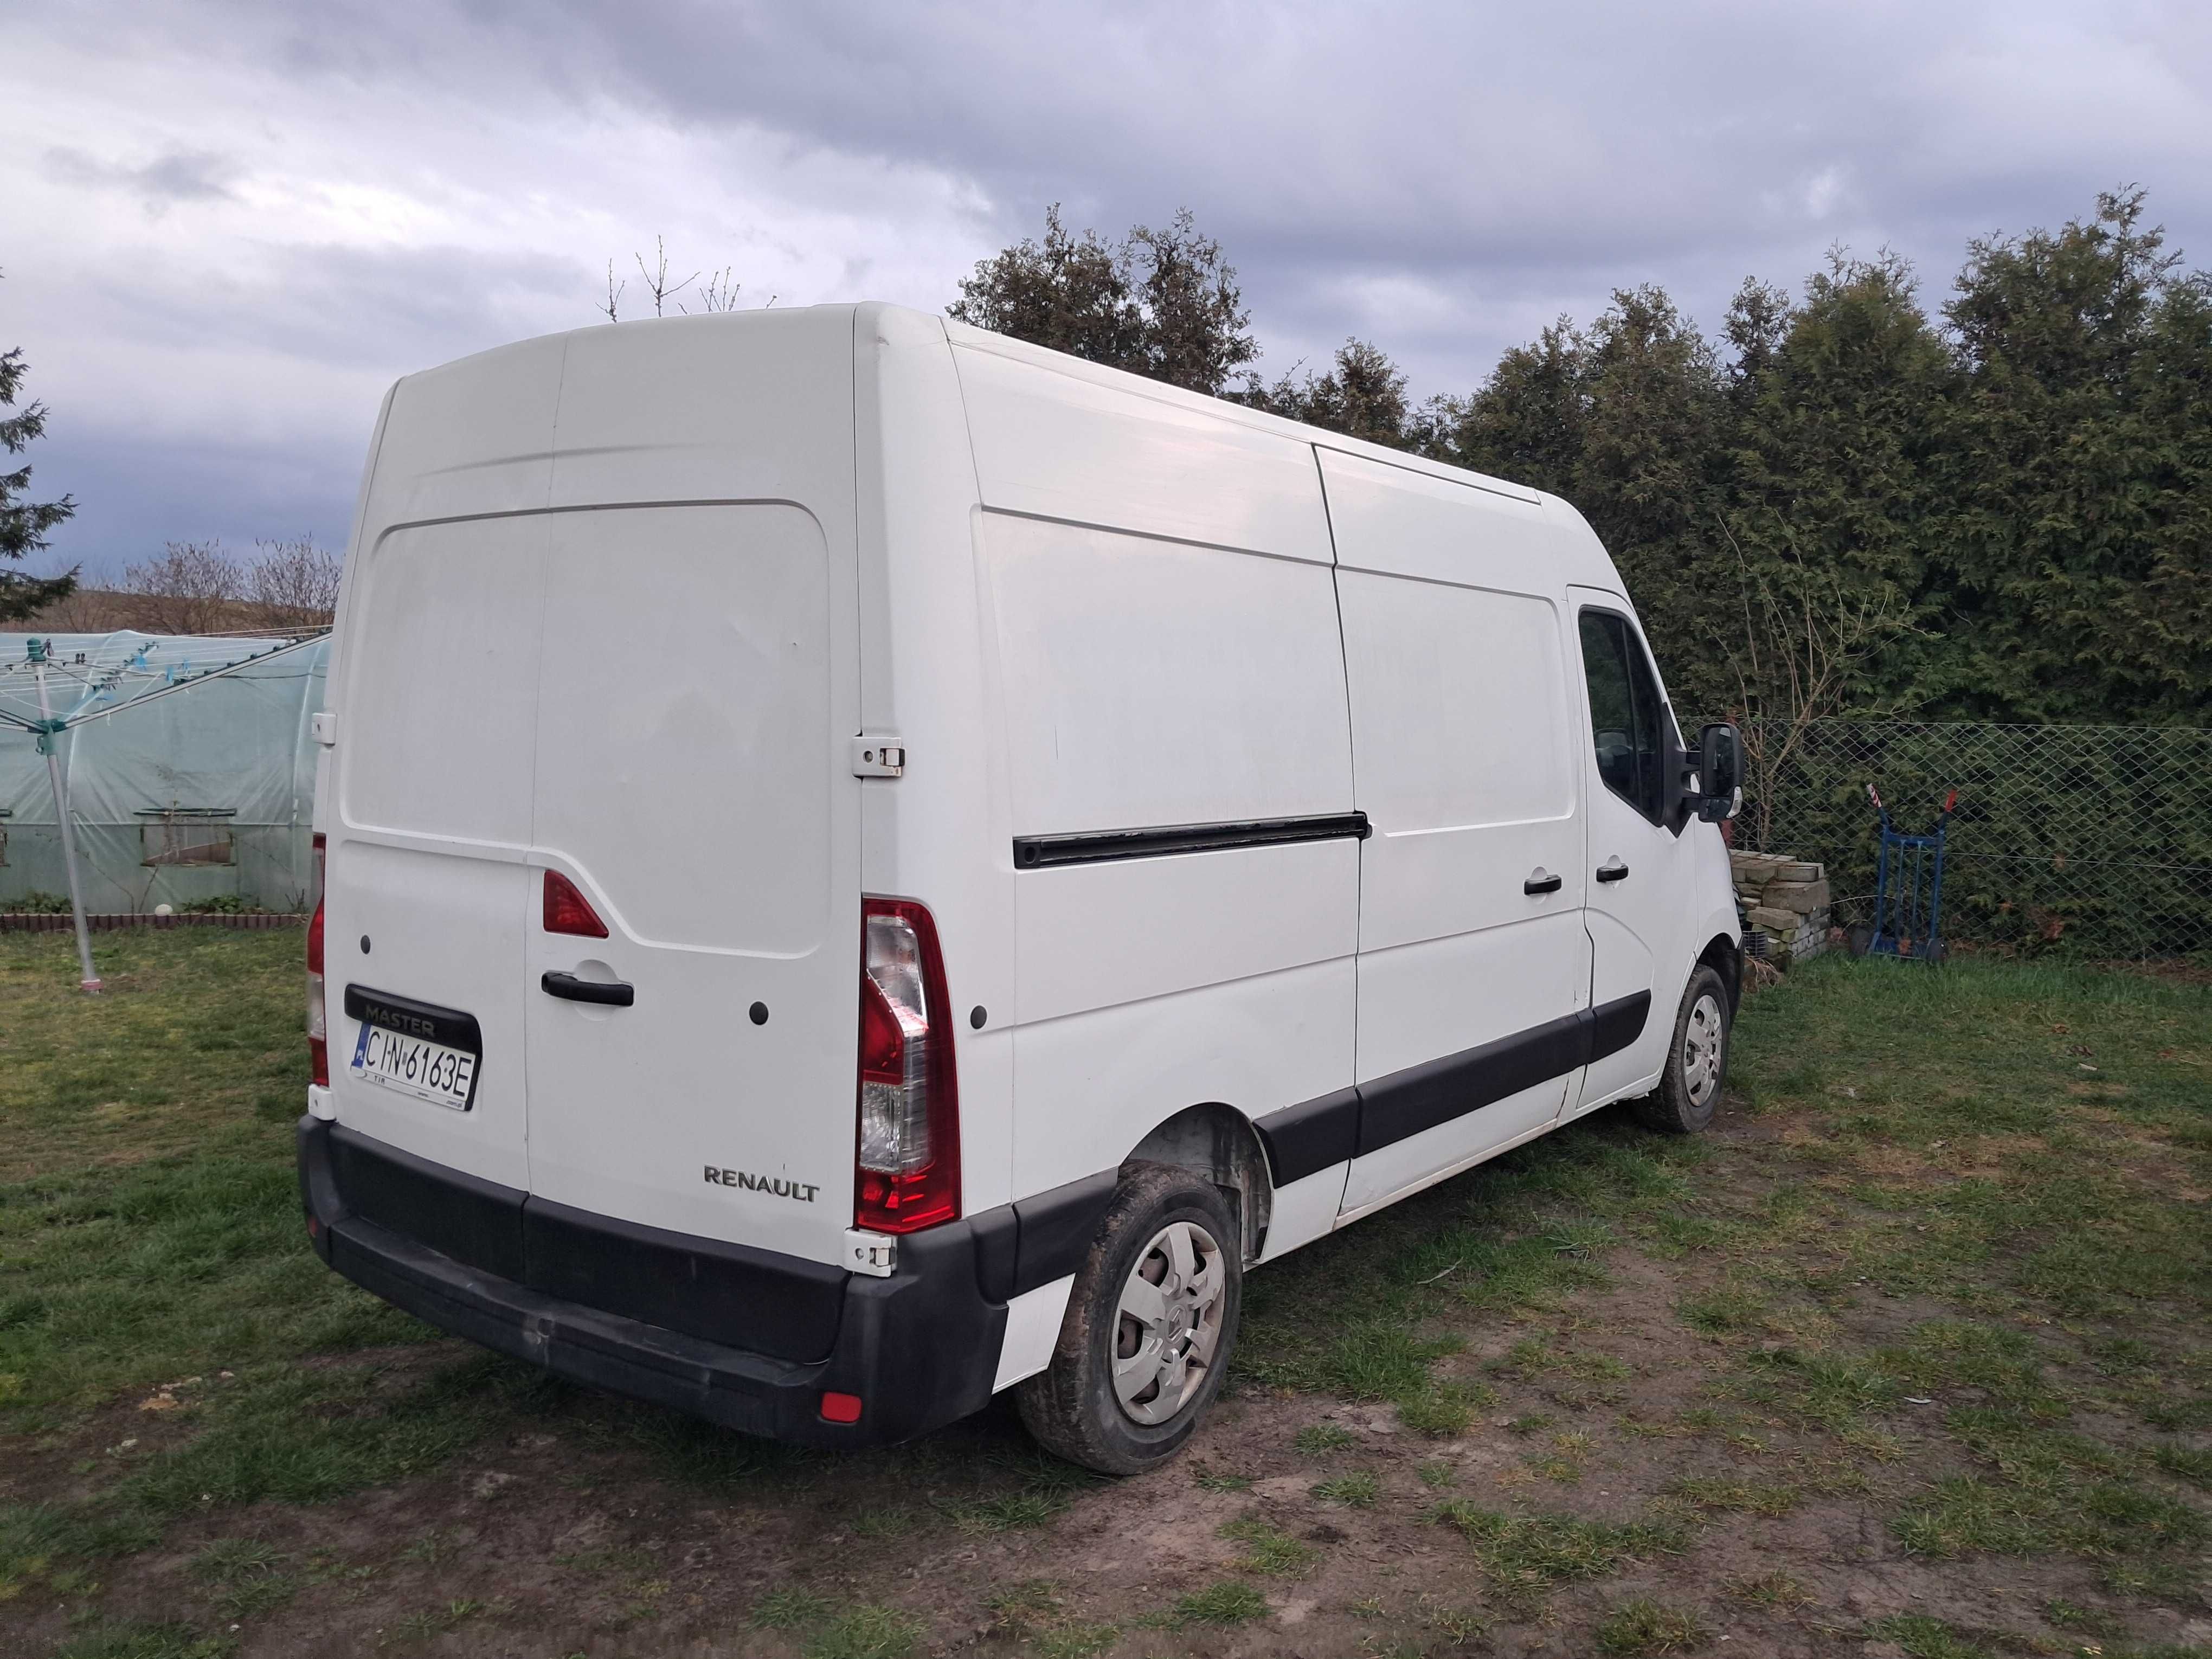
617	995
1613	869
1540	883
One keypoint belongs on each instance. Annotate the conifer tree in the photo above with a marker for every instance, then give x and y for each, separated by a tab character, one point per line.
24	523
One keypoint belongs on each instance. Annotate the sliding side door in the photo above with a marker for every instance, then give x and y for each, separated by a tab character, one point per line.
1473	966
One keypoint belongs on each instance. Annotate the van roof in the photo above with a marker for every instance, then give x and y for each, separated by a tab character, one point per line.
1005	345
966	335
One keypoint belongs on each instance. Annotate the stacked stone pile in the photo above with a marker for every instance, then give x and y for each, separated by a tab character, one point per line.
1787	901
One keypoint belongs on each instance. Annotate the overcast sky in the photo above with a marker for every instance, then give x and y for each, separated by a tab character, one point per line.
225	229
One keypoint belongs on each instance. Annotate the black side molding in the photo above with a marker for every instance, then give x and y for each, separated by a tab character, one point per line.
1105	846
1394	1108
1033	1240
1057	1228
1308	1138
1614	1025
998	1252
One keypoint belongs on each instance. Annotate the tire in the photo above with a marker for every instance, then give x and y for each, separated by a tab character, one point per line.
1158	1230
1697	1063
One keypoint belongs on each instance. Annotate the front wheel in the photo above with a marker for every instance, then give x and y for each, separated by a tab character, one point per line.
1150	1325
1697	1063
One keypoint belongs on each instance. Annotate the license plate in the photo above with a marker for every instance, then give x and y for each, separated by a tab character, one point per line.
408	1066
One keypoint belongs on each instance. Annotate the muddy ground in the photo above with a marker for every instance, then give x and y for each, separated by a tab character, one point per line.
1714	1422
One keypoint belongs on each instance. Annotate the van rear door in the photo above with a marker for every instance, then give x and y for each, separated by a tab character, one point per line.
427	881
692	781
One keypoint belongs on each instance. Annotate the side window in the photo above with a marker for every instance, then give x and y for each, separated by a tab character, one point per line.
1626	714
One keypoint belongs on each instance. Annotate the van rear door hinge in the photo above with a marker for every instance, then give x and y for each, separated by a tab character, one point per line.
323	728
872	1253
878	758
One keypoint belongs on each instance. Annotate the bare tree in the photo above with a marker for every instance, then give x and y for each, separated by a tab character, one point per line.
193	587
656	278
294	581
1795	651
719	293
82	610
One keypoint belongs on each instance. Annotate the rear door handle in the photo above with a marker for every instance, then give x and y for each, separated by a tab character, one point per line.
617	995
1540	883
1613	869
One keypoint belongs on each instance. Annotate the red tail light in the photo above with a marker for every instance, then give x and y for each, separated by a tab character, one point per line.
318	1029
568	911
908	1168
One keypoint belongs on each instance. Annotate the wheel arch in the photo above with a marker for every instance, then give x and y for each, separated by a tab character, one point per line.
1214	1139
1724	956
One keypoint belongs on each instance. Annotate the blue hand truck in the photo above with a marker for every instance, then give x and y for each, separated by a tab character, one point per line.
1908	900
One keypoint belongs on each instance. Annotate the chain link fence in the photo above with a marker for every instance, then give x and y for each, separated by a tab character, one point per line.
2091	840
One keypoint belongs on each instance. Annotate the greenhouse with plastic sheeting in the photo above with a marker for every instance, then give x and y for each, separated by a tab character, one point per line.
188	764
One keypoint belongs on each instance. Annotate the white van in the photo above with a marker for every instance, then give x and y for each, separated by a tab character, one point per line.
869	863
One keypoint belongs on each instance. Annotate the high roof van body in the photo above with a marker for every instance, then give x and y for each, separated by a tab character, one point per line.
868	864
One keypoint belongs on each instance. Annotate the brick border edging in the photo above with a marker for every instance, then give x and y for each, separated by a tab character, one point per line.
40	921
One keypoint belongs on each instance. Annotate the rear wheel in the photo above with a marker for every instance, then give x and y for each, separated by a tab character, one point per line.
1150	1326
1696	1064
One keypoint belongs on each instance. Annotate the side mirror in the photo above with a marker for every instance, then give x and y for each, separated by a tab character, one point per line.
1720	773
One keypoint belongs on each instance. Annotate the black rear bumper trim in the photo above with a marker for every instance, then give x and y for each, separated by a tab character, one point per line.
920	1348
723	1384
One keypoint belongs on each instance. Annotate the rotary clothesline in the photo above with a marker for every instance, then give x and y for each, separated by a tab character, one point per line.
47	690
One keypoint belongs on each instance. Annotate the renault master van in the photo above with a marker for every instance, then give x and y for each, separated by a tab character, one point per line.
866	864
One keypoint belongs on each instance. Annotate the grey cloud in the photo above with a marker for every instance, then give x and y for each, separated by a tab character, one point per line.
1442	177
1505	155
134	495
174	176
344	308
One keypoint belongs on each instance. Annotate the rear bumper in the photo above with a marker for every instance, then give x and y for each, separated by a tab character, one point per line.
920	1348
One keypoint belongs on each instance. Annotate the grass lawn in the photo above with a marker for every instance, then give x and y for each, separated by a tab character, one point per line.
1909	1355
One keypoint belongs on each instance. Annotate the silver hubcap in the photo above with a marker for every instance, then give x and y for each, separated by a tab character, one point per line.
1701	1050
1169	1322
